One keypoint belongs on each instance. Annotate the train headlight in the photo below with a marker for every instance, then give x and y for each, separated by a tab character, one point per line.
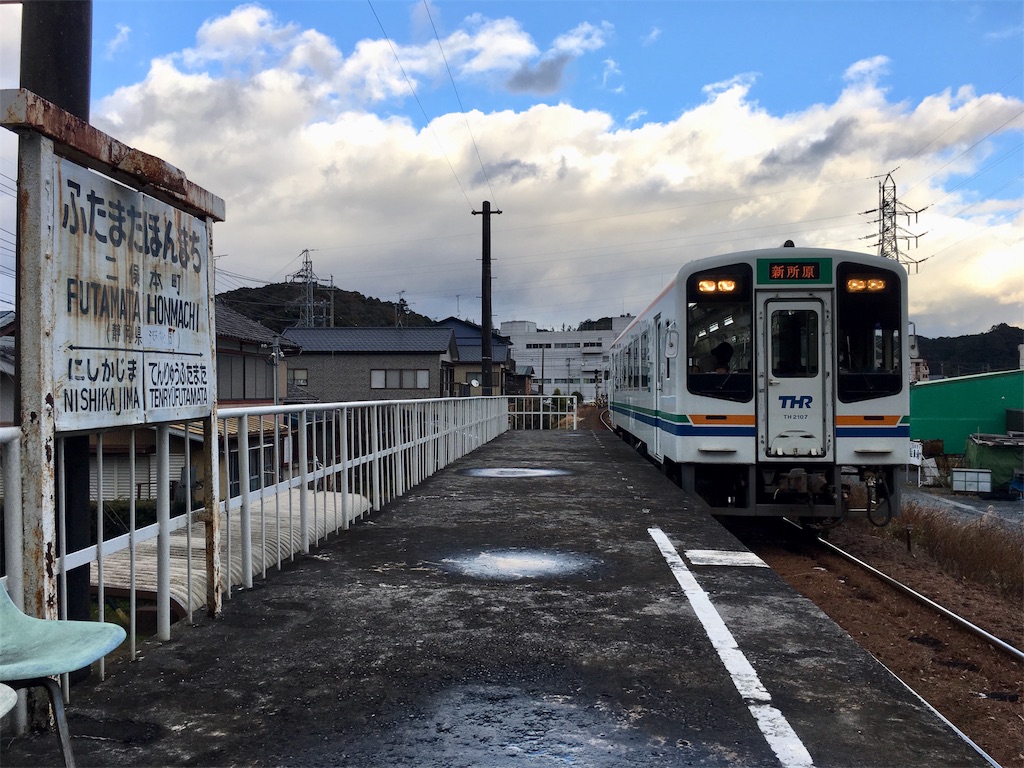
869	284
723	285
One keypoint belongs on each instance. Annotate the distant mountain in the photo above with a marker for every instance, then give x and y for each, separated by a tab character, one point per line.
994	350
280	305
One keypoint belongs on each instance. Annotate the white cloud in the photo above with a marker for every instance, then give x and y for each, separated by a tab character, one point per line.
597	215
867	71
119	40
10	45
584	38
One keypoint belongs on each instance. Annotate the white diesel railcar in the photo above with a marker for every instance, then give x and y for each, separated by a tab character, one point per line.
773	382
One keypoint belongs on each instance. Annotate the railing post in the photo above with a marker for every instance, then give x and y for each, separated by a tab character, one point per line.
304	475
163	541
375	462
245	513
211	507
13	555
343	461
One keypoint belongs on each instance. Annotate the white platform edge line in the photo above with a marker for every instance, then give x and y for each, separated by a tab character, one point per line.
777	731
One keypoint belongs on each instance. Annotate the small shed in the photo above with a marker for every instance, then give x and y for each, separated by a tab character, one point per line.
1000	454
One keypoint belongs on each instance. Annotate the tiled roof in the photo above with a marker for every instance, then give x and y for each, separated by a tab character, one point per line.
471	353
234	325
373	340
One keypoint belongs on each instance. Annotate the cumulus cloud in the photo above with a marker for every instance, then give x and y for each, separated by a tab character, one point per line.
307	144
867	71
584	38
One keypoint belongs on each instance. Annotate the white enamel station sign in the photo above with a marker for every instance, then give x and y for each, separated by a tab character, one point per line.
133	288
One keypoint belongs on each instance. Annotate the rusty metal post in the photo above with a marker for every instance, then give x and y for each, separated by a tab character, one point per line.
56	63
36	289
211	518
163	541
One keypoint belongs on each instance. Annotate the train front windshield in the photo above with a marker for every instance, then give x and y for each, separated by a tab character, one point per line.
719	318
868	323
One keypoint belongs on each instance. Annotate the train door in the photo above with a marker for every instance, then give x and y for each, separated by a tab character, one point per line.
795	411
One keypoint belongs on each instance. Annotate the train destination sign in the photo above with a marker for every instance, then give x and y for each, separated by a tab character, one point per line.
794	271
132	305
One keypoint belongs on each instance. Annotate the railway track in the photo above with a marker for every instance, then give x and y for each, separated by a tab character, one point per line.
959	664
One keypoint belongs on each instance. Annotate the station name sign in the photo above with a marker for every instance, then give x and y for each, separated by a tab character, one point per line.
133	298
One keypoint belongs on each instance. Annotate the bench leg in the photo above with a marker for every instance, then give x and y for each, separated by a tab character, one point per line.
56	696
63	733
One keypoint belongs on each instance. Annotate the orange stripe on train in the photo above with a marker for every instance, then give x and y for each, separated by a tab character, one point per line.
712	419
869	421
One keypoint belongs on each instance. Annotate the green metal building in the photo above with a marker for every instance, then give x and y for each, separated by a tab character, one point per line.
953	409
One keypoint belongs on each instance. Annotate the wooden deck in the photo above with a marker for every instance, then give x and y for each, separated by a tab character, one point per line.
276	536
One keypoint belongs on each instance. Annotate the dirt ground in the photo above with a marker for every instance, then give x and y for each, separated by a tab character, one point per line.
976	688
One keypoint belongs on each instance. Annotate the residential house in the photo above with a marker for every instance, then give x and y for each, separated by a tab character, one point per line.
469	368
351	364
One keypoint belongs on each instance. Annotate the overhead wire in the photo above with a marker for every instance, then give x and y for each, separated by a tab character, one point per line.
458	98
412	90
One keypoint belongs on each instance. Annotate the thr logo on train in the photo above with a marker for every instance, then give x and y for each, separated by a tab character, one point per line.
795	401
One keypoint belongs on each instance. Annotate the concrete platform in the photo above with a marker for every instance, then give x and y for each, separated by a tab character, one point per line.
495	616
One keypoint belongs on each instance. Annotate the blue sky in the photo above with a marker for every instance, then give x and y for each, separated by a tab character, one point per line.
620	139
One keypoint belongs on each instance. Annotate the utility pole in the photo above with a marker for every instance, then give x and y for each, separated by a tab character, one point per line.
486	353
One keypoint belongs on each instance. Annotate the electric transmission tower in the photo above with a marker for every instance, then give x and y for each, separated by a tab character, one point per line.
890	233
401	310
312	314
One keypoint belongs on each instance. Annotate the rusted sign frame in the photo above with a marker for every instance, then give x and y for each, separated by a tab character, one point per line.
47	132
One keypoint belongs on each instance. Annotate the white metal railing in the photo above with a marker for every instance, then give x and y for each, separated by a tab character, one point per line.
288	477
542	412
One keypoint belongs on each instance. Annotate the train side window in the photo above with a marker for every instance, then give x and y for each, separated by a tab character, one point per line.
645	361
718	333
868	332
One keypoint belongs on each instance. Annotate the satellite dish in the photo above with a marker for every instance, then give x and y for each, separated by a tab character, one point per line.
474	383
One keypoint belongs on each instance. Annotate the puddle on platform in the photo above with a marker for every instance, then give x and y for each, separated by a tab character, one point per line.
515	564
514	472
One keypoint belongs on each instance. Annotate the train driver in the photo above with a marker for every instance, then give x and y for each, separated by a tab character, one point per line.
722	355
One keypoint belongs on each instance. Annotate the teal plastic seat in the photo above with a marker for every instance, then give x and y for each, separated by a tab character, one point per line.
34	651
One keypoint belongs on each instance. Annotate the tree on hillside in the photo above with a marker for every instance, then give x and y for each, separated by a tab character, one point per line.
994	350
279	306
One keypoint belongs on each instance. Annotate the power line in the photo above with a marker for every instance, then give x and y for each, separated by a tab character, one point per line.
417	98
458	98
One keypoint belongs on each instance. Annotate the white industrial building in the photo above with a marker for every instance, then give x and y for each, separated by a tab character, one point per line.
569	361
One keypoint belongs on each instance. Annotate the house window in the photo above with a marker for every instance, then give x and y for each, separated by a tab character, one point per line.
399	378
298	376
